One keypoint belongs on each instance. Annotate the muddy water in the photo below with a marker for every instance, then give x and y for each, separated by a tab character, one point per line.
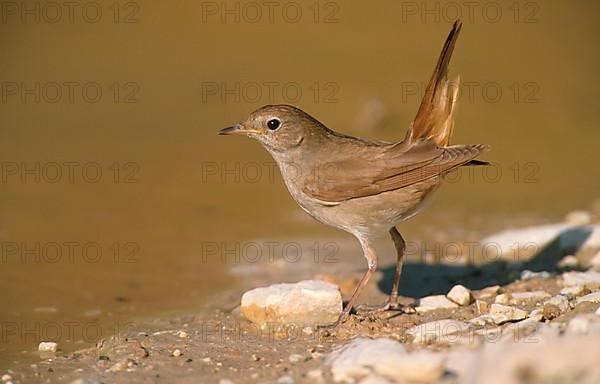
115	189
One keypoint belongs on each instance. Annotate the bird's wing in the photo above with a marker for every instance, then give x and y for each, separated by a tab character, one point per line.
371	171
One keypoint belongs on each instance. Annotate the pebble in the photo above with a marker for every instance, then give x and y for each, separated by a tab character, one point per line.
482	307
504	313
226	381
48	346
183	334
440	330
432	303
598	311
532	295
307	302
482	320
287	379
561	302
592	298
578	218
315	375
580	324
575	290
460	295
503	298
177	353
386	358
589	279
6	377
537	314
530	275
295	358
488	292
569	261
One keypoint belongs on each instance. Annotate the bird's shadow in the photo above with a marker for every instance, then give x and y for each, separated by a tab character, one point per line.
420	279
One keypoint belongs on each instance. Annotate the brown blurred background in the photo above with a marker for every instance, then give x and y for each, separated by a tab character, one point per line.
171	74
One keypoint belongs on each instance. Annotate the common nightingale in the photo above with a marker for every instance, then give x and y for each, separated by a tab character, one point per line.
362	186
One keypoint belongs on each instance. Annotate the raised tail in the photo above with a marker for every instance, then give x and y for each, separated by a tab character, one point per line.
434	120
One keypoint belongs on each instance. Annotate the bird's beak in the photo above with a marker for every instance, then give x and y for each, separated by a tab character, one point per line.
238	129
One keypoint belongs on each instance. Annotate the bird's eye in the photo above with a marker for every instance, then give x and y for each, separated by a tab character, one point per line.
273	124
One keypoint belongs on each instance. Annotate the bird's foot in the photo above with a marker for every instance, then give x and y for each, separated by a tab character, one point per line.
391	304
332	327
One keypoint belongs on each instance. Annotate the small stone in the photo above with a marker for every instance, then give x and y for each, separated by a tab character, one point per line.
6	377
598	311
48	346
206	359
591	298
569	261
183	334
537	314
576	290
504	313
488	292
308	330
307	302
226	381
561	302
589	279
550	311
386	358
482	307
580	324
438	331
315	375
578	218
460	295
503	298
295	358
287	379
530	275
255	357
432	303
176	353
482	320
525	296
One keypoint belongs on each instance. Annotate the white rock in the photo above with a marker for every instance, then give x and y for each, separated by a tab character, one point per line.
315	375
307	303
384	357
569	261
503	298
589	279
530	275
286	379
48	346
598	311
533	295
431	303
575	290
482	320
578	218
536	315
460	295
504	313
441	330
295	358
225	381
177	353
560	301
593	297
581	324
488	292
6	377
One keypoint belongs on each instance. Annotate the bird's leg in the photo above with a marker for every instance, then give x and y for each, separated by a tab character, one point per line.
371	257
392	301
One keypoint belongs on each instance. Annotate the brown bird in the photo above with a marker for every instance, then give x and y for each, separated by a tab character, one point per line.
365	187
